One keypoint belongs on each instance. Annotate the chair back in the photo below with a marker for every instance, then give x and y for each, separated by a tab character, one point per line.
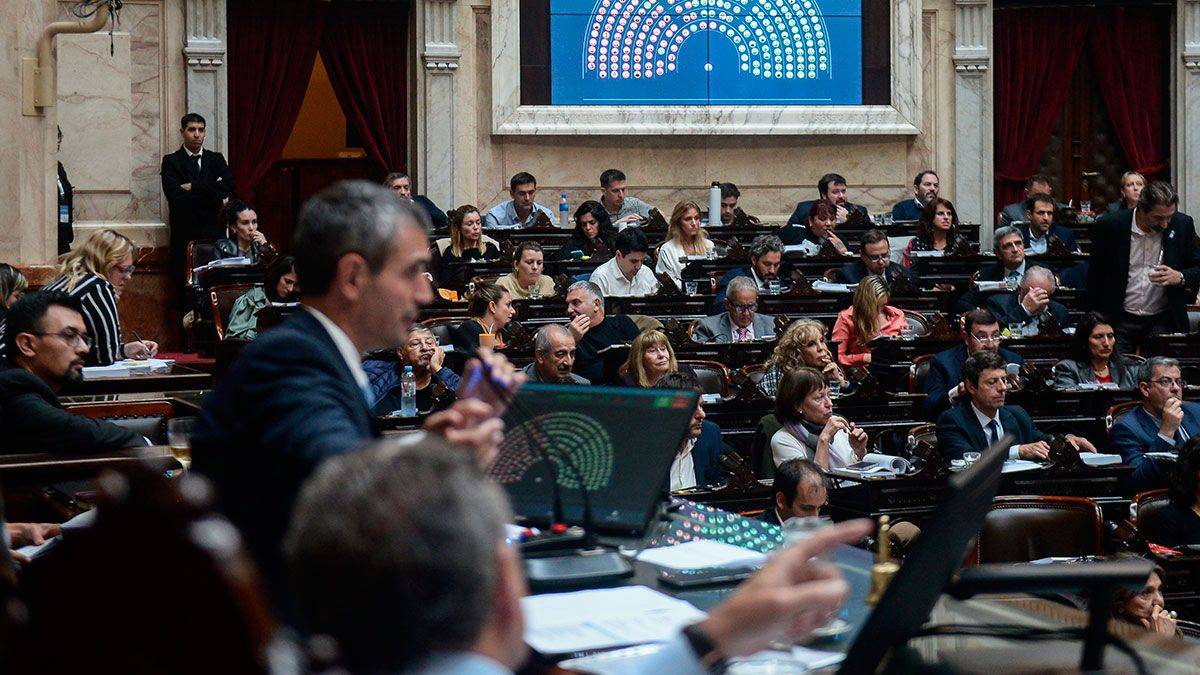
712	375
918	372
1146	506
754	371
441	326
480	279
918	322
761	459
145	418
1116	412
221	298
1026	527
830	274
200	252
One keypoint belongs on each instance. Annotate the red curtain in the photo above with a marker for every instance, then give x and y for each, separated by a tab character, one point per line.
1128	51
365	50
272	47
1036	54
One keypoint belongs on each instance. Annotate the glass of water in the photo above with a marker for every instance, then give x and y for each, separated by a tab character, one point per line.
179	438
535	291
774	287
690	287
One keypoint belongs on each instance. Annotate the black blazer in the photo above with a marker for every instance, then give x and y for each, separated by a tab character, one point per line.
852	273
66	233
800	215
33	420
959	431
1108	272
194	212
1008	310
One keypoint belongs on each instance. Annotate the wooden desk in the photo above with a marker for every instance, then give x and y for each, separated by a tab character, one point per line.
178	378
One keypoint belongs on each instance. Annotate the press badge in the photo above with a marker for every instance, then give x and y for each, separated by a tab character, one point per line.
64	214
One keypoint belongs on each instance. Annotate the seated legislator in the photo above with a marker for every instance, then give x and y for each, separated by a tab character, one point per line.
799	491
592	228
625	274
401	185
46	343
460	603
1030	304
685	237
527	276
981	418
490	310
1037	184
521	210
943	386
1093	358
594	331
553	357
809	428
832	189
1132	184
622	210
802	344
422	352
869	316
730	194
740	322
874	257
279	285
1039	228
925	190
1146	608
937	230
697	461
466	242
96	273
1178	523
1009	245
766	265
650	358
244	239
1163	423
815	230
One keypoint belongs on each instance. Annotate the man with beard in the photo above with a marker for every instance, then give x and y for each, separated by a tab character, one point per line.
925	190
46	343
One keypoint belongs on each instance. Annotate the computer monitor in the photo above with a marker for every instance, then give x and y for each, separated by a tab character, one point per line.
934	558
621	439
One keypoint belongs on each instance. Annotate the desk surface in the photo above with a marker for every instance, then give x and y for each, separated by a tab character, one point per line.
178	378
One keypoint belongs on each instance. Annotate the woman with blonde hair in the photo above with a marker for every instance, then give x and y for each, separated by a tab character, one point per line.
802	345
684	238
650	357
96	273
12	286
868	317
466	242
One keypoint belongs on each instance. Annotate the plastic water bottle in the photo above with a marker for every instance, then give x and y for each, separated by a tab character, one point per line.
564	213
714	204
408	393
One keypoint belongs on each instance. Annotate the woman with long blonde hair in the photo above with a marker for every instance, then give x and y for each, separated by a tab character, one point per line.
96	274
466	242
867	318
802	345
684	238
650	357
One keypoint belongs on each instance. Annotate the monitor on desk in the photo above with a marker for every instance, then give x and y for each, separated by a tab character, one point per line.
620	439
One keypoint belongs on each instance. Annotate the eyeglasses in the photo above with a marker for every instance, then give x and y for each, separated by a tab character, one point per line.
1168	381
70	337
876	258
126	271
744	309
986	339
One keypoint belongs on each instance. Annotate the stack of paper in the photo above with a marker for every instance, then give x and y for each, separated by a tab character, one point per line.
563	623
702	554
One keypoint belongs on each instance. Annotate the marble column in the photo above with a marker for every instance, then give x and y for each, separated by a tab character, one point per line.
1185	165
207	82
437	144
973	146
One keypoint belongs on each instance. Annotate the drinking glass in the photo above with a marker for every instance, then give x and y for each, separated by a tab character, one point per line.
179	438
774	287
535	292
690	287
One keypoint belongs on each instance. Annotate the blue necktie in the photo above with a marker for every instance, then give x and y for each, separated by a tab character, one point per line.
994	428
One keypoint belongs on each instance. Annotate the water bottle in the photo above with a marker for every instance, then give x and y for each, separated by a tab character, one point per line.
408	393
714	205
564	213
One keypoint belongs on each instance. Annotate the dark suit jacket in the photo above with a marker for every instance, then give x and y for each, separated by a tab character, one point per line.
288	403
33	420
945	371
437	217
1136	433
907	210
853	272
193	213
800	215
959	431
1063	234
1108	271
706	456
66	233
718	305
972	298
1008	310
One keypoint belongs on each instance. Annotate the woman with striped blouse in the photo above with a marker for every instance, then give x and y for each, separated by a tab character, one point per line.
96	273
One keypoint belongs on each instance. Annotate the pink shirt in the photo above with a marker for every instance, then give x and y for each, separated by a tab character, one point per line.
850	352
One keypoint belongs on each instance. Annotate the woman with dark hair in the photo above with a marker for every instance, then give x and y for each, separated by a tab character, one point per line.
818	229
1178	523
592	226
466	242
1093	358
490	308
245	239
937	230
527	273
809	428
1146	607
279	285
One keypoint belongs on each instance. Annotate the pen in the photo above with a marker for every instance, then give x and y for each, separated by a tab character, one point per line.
141	342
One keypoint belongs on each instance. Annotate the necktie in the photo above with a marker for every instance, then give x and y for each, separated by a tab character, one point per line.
369	395
743	334
994	428
195	162
1181	436
1013	275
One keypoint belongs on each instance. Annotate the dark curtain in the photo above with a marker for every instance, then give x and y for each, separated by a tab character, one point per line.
1130	68
272	47
365	50
1036	54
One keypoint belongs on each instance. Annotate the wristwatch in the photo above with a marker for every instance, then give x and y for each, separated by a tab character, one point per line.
710	657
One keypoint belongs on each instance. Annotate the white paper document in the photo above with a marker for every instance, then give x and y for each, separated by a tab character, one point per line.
831	287
1015	465
1099	458
80	521
561	623
702	554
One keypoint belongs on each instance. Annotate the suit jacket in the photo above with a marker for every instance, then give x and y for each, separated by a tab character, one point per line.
437	217
972	298
288	403
718	328
718	305
853	272
66	233
945	371
33	420
1008	310
1108	271
1070	373
1136	433
800	215
959	431
228	248
1064	234
1013	213
908	209
706	456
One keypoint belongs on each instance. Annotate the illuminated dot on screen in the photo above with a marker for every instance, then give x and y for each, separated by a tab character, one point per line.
745	67
671	66
708	67
660	72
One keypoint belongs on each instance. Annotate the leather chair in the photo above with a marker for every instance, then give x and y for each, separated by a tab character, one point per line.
918	322
761	459
754	371
918	372
1146	506
200	252
221	298
1024	528
830	275
440	327
713	376
1114	413
480	279
145	418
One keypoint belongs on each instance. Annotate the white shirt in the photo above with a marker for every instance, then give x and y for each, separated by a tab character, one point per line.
614	284
1014	452
1038	244
670	259
345	347
785	446
1143	298
199	155
683	468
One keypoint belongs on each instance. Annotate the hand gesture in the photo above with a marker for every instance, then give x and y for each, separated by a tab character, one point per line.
842	214
579	326
1035	301
837	243
834	425
490	378
144	349
259	237
1172	417
436	361
1160	622
631	219
1034	451
1161	275
858	440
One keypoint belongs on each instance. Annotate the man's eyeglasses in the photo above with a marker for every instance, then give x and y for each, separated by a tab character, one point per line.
876	258
986	339
744	309
70	337
1168	381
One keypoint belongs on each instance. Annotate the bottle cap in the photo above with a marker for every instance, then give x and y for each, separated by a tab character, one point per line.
408	369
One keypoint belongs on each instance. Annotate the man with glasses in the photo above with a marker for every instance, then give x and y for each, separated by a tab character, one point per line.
46	342
1161	425
874	258
1009	245
741	322
943	385
423	353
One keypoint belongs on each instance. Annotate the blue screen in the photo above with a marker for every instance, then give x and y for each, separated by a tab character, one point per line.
706	52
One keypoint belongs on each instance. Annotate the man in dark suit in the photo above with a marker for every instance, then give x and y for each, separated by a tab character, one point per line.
740	322
66	205
697	460
1030	304
766	265
1162	424
1039	228
943	385
1145	267
46	342
832	188
1037	184
1009	246
925	190
799	492
982	419
874	258
399	183
196	182
298	394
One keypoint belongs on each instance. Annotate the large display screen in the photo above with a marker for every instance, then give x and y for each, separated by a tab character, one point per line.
706	52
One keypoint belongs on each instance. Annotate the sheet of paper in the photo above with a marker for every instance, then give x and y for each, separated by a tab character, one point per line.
627	660
926	254
1015	465
702	554
80	521
561	623
991	285
116	370
1099	458
831	287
